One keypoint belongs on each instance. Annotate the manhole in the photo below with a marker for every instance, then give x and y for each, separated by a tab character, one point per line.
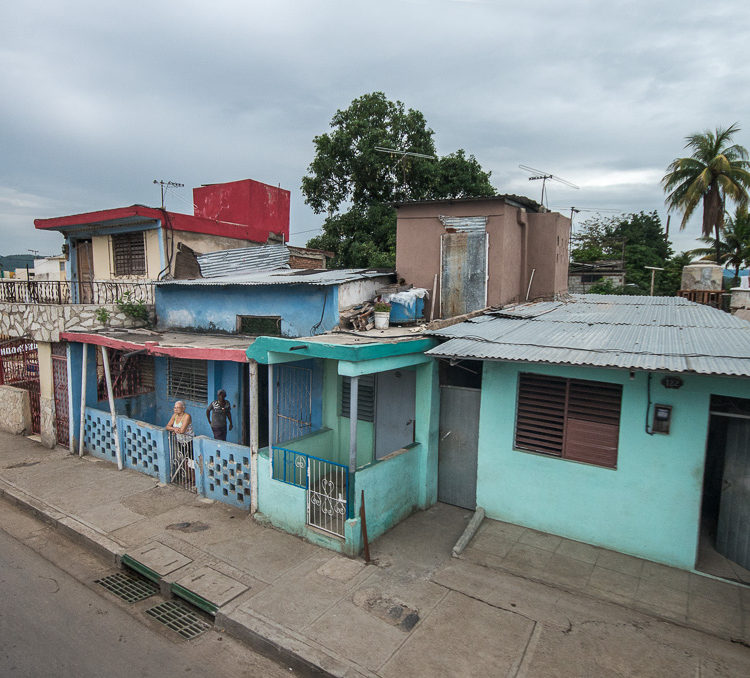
179	618
131	588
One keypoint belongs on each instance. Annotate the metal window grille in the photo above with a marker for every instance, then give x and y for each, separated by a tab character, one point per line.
187	379
259	325
129	253
131	375
293	402
569	418
365	397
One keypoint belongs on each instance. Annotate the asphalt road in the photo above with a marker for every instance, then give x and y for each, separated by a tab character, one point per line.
54	624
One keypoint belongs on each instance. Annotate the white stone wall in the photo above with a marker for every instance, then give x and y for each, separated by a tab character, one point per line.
15	410
44	322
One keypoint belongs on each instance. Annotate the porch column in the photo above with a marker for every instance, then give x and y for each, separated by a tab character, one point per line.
110	394
270	419
253	398
353	400
83	399
46	395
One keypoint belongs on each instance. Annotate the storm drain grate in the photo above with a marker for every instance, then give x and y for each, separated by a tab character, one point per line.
180	619
131	588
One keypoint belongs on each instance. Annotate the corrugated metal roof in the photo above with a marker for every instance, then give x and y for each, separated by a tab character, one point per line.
464	223
649	333
299	276
243	260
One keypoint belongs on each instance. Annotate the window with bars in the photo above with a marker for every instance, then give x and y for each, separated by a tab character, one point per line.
259	325
365	397
129	253
569	418
187	379
131	374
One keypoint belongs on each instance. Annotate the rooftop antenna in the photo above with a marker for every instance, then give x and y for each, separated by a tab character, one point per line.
34	252
537	174
404	154
164	186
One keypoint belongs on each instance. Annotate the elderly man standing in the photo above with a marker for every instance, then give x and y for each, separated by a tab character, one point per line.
217	413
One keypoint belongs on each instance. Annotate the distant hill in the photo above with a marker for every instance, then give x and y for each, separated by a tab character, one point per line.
11	262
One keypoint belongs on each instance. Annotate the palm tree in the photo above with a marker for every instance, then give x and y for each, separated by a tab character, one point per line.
734	245
715	170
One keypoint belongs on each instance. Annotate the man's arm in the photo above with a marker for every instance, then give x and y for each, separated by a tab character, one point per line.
208	413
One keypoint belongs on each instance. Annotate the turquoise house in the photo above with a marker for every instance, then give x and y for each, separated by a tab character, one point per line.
351	418
623	422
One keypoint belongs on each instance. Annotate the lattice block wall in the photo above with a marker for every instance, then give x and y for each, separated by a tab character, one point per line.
97	437
225	472
144	448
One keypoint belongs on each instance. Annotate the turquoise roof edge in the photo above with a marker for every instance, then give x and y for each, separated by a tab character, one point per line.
261	347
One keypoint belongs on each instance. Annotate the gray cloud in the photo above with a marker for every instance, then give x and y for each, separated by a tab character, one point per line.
101	99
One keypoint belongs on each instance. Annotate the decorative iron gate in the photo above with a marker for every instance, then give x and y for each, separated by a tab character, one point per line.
327	492
181	461
60	385
19	367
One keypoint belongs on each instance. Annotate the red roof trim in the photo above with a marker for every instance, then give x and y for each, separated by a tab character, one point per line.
236	355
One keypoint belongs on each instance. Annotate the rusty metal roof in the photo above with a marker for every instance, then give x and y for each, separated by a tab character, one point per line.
243	260
297	276
648	333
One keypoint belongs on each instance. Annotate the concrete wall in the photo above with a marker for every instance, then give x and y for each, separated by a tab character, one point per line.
418	234
44	322
357	291
15	410
215	308
648	507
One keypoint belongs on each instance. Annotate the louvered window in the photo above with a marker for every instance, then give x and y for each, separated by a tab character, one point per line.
365	397
569	418
187	379
129	253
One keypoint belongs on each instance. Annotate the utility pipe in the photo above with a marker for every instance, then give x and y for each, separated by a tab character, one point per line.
110	395
253	397
83	400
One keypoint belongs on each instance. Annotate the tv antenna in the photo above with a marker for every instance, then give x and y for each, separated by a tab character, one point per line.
164	186
404	155
537	174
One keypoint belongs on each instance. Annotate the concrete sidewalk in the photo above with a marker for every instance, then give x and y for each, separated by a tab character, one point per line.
518	603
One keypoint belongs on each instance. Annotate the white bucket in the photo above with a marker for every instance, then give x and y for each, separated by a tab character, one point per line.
382	320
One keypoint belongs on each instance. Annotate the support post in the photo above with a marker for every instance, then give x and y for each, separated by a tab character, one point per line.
83	400
270	420
353	401
111	396
253	398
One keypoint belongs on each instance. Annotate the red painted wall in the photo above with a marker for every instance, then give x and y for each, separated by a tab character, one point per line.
260	208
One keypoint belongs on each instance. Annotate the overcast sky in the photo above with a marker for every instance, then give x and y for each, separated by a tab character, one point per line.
99	99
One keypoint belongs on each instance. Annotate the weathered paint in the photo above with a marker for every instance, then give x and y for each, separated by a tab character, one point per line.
648	507
262	346
304	309
354	369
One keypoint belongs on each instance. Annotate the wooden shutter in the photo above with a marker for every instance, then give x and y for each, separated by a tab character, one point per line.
592	426
129	253
540	418
365	397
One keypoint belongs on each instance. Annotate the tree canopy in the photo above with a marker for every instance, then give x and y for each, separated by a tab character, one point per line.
355	185
639	241
716	170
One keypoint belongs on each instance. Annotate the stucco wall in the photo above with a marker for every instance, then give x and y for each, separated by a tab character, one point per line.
549	234
649	506
215	308
357	291
15	410
44	322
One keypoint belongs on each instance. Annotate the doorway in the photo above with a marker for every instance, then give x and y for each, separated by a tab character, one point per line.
85	270
724	545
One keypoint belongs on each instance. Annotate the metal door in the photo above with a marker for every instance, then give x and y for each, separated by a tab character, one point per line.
60	385
394	411
463	272
457	450
85	269
292	402
19	367
733	534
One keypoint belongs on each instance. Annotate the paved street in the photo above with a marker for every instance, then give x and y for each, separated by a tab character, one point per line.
54	625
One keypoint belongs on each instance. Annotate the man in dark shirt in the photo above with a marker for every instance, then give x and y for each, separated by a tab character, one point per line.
217	413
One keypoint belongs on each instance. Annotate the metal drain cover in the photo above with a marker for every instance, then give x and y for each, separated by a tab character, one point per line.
130	587
180	619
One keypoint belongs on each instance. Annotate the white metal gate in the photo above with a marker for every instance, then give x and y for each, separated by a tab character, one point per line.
181	461
327	491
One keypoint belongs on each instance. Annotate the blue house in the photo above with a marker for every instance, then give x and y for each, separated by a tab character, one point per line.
623	422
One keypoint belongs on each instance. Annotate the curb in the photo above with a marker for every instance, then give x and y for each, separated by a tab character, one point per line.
258	633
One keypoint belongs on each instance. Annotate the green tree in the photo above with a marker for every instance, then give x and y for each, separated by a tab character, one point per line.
355	185
716	170
734	246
